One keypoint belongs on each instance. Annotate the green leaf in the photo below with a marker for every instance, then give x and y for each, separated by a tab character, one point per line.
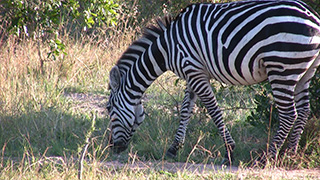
93	14
176	81
90	22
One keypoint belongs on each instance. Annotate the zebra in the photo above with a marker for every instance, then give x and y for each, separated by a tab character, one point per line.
236	43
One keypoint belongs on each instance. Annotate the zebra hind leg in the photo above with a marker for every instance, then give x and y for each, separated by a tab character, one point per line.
283	86
185	114
302	106
303	111
294	138
287	116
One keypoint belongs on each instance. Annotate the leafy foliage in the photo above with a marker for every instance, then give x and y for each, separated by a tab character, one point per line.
315	94
265	113
99	12
44	20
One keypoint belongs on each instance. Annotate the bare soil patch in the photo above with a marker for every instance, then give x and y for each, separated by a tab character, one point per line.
172	167
207	169
88	102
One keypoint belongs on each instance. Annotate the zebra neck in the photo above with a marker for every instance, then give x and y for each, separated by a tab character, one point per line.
145	69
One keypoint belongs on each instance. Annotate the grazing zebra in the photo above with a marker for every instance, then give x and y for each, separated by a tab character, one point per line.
237	43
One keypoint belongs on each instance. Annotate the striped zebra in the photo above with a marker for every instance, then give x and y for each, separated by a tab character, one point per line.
237	43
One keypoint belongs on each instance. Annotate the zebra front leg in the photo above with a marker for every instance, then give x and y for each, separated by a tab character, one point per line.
202	88
185	114
215	113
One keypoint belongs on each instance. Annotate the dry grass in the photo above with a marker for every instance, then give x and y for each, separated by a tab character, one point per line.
66	168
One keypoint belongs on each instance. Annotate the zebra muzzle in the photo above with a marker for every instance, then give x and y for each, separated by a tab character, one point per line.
119	146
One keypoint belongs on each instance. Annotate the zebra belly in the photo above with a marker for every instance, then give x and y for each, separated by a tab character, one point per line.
248	77
257	75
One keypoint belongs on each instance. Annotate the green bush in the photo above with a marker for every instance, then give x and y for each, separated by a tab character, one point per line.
45	20
315	95
265	113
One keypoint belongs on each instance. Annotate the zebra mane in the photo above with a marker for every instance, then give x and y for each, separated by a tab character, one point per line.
153	31
150	34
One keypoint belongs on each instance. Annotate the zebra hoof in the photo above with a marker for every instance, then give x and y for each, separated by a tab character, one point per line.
260	162
171	153
226	162
228	158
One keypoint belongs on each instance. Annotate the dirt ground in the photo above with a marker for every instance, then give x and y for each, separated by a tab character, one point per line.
172	167
203	169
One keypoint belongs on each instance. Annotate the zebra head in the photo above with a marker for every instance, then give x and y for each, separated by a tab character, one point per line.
125	114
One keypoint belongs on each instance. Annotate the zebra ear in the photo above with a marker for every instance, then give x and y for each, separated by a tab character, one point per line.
114	78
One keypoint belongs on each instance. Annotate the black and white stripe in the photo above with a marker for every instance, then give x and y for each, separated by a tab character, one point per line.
238	43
